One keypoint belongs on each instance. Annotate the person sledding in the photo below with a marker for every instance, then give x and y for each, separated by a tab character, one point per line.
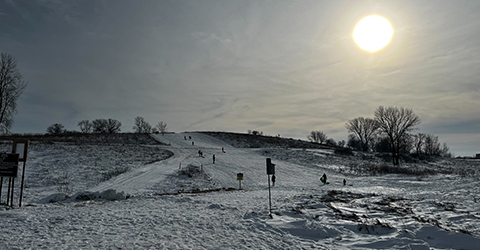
323	179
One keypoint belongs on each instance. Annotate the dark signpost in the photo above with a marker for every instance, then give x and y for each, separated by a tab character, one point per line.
9	168
270	171
21	147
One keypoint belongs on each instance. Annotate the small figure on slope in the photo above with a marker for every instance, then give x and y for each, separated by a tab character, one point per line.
213	158
273	180
323	179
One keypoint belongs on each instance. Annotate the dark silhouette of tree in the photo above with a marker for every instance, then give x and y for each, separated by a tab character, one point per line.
331	142
432	146
256	132
113	126
85	126
56	129
162	127
11	87
99	126
445	151
106	126
418	142
142	126
395	123
353	143
364	129
317	136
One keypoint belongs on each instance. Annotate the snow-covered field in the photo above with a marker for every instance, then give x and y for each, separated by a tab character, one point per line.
125	197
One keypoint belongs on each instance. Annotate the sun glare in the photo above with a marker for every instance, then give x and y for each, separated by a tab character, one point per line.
373	33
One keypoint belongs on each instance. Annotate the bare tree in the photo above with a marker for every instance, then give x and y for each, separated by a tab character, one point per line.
85	126
56	129
432	146
99	126
395	123
418	142
11	87
317	136
142	126
445	151
364	129
113	126
106	126
162	127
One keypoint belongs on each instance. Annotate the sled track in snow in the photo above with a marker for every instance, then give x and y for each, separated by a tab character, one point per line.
198	191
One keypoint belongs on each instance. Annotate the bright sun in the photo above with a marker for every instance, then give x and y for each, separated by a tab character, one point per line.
373	33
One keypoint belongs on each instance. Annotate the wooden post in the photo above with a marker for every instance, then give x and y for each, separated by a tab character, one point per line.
1	184
269	197
13	187
8	190
21	187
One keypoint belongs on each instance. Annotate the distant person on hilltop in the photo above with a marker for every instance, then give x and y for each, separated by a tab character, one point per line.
273	180
213	158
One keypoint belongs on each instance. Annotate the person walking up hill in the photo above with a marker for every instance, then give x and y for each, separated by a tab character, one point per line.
323	179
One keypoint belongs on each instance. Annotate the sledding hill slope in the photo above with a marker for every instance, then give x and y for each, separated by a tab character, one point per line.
162	177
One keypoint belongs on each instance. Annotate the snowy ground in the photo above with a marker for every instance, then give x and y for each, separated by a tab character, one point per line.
166	210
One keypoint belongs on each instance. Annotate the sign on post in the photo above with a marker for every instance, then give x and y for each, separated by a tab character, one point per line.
9	165
270	166
270	170
20	147
240	179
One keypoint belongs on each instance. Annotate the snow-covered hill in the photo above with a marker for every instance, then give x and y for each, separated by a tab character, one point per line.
168	210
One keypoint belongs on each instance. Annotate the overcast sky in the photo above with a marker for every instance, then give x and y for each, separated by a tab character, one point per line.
281	67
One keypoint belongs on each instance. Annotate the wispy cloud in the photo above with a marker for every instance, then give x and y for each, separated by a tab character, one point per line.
281	67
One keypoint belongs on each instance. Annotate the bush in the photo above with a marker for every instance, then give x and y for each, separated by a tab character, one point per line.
343	151
56	129
373	169
190	171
